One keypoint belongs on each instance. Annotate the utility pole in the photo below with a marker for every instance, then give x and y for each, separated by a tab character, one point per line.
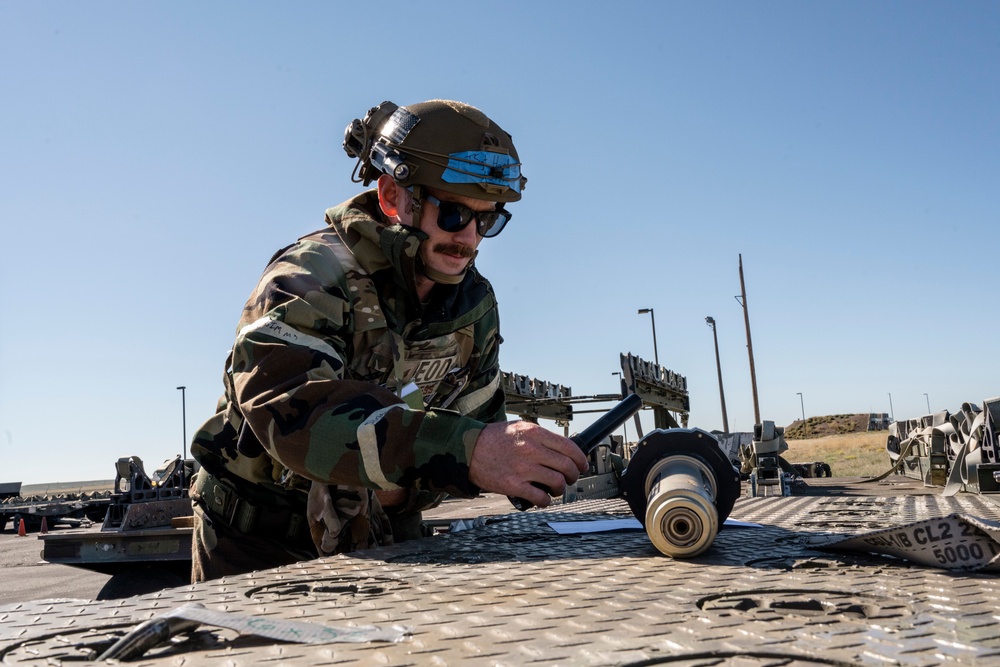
891	412
718	365
928	404
802	405
746	319
184	436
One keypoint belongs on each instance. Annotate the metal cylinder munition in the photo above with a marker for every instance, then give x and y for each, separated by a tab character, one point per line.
681	488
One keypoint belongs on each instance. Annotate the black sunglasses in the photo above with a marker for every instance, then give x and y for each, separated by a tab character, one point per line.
453	217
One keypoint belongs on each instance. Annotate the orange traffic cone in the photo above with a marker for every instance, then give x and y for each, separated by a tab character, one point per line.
45	527
21	532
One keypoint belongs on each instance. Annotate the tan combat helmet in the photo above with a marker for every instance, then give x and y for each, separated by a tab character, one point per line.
443	144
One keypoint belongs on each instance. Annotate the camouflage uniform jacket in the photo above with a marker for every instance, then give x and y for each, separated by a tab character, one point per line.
327	342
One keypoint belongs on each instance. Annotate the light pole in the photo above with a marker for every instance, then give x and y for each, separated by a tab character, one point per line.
652	318
802	405
928	404
891	413
718	365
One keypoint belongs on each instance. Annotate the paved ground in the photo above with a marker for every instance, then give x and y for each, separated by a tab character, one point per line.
24	576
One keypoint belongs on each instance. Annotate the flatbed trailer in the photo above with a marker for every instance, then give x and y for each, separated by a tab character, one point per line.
510	590
114	552
144	541
33	511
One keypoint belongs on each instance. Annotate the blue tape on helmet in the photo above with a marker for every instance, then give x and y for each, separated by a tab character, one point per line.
483	167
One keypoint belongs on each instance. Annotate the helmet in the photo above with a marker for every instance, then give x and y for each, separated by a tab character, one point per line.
443	144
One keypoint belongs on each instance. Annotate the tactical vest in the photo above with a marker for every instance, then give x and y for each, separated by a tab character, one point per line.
438	367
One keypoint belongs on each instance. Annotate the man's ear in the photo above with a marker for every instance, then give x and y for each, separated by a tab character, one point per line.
390	196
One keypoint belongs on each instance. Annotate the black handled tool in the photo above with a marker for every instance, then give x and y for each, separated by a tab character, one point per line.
593	435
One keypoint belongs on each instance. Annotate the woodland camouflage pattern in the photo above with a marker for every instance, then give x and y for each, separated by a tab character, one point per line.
327	341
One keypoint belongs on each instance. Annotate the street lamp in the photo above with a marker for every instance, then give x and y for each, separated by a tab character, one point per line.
802	405
928	404
718	365
652	318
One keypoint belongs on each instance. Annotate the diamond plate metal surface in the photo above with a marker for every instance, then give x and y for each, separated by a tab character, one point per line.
513	592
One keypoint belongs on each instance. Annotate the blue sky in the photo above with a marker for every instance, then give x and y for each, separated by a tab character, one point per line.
154	155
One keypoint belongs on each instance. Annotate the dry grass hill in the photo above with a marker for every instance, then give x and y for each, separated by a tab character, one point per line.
57	488
819	427
842	441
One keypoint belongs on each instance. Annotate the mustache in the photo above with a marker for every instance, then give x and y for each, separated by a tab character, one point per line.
454	249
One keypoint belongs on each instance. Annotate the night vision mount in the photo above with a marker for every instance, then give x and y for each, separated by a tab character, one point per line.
359	143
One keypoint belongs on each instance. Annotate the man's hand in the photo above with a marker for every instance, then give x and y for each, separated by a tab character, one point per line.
391	498
509	456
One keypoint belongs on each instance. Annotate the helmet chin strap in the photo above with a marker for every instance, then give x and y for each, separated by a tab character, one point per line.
445	278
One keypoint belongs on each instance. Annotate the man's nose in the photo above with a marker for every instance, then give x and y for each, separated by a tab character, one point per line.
469	236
